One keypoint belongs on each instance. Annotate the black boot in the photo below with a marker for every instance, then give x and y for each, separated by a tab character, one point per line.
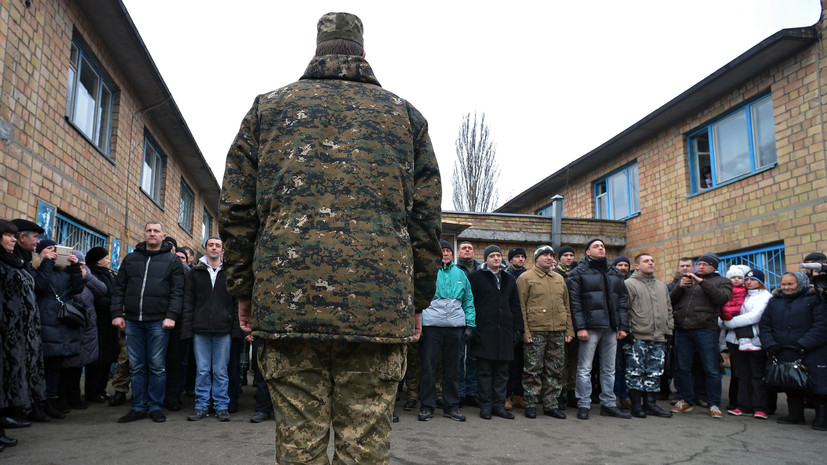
820	422
37	414
636	398
51	409
795	406
6	442
651	408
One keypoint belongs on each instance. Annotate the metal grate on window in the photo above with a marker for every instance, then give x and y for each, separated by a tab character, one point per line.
770	260
76	236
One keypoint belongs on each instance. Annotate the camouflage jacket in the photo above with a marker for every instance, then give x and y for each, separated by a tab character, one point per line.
330	209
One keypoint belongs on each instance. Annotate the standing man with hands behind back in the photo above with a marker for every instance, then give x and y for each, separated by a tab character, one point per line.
146	302
330	216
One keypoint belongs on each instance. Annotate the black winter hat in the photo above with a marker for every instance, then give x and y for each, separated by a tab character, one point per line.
489	250
591	241
26	225
516	251
95	254
811	257
710	258
446	245
566	249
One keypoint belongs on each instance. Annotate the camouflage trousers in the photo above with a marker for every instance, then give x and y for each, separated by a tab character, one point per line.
120	381
350	385
543	360
413	372
644	365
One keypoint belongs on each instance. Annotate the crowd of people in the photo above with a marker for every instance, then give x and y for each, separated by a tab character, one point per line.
569	334
164	320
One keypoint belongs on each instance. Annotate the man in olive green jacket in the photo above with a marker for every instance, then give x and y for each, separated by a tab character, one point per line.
330	215
650	321
544	300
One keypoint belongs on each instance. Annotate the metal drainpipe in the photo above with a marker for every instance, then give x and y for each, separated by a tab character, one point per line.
557	222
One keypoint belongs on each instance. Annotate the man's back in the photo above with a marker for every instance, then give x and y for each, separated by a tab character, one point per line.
345	186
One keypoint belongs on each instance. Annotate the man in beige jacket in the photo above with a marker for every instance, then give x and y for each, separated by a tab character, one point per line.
544	300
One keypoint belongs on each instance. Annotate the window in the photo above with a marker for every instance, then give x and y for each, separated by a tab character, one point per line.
769	259
76	235
89	99
152	175
548	210
185	203
617	196
734	146
206	228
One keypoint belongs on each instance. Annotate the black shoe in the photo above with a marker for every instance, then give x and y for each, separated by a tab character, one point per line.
157	416
200	414
78	404
395	418
531	412
222	415
50	407
651	408
613	412
118	399
259	417
233	406
37	414
583	413
8	422
131	416
7	442
97	399
409	405
425	415
485	414
561	401
556	413
172	405
503	413
454	415
636	399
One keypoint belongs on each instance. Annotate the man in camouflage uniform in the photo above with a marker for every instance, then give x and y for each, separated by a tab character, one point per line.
330	214
650	320
544	300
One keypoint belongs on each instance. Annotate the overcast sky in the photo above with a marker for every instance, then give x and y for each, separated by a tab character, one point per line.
555	79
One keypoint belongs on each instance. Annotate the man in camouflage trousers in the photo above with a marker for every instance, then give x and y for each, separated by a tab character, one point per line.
544	300
330	215
650	320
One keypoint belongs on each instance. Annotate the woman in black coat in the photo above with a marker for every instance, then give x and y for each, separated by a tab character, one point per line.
97	373
59	340
794	325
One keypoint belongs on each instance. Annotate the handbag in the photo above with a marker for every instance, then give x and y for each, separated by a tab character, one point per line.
71	313
787	375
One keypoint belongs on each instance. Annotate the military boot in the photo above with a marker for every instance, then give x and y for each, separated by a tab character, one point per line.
820	422
635	398
651	408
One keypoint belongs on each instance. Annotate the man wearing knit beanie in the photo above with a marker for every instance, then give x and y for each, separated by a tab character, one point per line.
623	265
514	392
565	259
499	326
696	302
814	257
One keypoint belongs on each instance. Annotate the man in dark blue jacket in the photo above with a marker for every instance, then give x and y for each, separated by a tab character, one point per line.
146	302
600	316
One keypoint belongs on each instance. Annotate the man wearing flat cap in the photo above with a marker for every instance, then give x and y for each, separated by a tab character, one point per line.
28	236
695	304
330	217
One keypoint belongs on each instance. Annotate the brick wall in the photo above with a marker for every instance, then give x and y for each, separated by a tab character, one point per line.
45	157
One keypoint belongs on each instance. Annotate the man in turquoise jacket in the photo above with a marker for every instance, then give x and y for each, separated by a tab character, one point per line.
446	323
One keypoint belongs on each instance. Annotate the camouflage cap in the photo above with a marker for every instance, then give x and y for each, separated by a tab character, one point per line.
340	26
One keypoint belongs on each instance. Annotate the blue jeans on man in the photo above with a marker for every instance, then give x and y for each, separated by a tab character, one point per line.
146	343
212	354
705	341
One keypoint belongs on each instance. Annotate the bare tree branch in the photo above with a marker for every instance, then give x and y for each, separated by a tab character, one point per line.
475	170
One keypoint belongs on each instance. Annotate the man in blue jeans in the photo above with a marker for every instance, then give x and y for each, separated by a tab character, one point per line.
146	302
695	303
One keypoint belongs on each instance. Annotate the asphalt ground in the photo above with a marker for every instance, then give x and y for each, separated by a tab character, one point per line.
93	436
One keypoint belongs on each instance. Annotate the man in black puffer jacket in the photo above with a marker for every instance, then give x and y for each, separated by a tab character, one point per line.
146	302
600	315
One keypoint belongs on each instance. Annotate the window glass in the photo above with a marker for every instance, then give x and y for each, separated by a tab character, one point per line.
731	147
763	133
619	189
89	99
84	117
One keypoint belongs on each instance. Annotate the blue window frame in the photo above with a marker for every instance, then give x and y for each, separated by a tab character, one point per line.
617	196
89	99
75	235
769	259
736	145
152	175
548	210
185	203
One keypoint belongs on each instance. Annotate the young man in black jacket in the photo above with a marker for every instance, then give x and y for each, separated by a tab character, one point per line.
146	302
210	317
